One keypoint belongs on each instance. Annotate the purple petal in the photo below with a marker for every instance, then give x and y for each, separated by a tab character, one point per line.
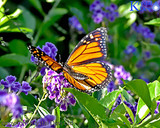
11	79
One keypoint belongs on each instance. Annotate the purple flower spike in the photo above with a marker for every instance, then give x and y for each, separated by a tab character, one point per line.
55	84
26	87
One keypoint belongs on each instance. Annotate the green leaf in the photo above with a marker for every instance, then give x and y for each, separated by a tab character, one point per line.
129	111
18	47
42	111
154	89
10	29
153	124
13	15
28	100
110	99
140	88
95	109
56	112
53	15
2	2
37	5
3	73
80	18
155	22
128	97
142	109
23	19
13	60
91	121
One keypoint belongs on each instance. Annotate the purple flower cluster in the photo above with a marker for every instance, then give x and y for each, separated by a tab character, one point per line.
100	11
11	84
73	22
133	109
12	102
144	31
121	73
149	7
111	86
55	82
50	49
46	122
130	50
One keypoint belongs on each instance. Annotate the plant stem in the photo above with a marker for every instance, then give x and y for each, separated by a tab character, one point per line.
42	99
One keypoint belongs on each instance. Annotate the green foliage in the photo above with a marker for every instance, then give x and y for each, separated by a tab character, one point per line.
37	21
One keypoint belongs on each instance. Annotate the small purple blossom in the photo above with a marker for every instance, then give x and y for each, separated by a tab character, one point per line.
25	87
130	49
73	22
55	82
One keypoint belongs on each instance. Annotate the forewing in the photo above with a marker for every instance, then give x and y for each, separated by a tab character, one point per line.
45	59
91	48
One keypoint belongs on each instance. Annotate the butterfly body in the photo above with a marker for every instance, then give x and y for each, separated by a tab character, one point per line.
84	68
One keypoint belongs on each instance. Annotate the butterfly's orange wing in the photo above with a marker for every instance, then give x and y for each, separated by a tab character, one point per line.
86	60
48	61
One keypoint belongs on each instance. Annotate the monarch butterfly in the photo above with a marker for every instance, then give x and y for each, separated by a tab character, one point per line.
84	68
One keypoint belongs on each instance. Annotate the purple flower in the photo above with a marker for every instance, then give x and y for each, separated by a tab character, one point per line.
130	49
110	86
73	22
133	109
55	82
45	122
10	80
144	78
144	31
11	83
156	110
25	87
117	102
120	73
12	102
100	12
50	49
147	54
